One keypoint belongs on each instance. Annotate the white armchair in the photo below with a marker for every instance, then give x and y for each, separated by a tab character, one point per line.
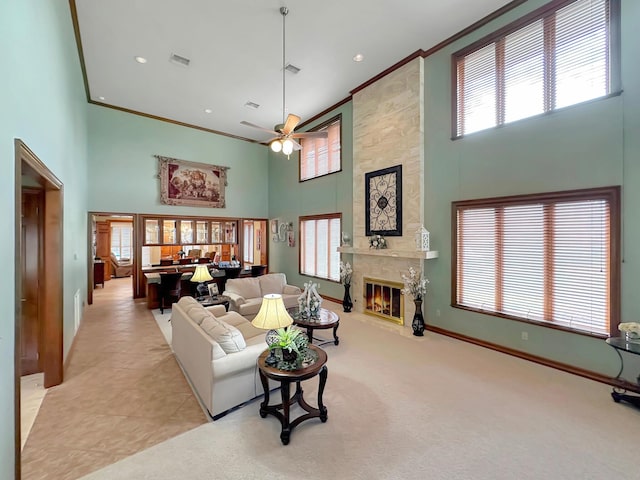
246	294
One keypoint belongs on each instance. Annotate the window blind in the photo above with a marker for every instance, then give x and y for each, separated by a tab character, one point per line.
321	156
542	259
320	239
559	57
121	240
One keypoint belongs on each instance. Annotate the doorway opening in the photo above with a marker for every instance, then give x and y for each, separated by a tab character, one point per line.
38	276
254	244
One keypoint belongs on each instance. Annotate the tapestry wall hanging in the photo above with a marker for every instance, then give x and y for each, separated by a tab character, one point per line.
383	202
190	183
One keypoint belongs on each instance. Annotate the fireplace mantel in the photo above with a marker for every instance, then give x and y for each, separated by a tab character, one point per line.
389	252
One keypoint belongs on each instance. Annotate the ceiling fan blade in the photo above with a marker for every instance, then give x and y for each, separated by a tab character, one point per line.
253	125
323	134
290	124
296	145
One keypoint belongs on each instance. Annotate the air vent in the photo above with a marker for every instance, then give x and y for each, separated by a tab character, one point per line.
291	68
178	60
255	106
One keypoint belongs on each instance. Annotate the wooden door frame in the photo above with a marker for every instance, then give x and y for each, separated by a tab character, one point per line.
50	273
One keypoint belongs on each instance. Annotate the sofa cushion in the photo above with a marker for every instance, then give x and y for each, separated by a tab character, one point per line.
249	331
227	336
272	283
245	287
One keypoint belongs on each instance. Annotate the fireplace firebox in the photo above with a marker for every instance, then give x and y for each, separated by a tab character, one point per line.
384	299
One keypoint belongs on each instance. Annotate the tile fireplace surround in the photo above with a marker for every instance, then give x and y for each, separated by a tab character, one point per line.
384	266
396	99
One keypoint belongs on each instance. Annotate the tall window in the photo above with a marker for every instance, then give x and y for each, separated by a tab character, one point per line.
562	54
121	240
321	156
550	258
319	242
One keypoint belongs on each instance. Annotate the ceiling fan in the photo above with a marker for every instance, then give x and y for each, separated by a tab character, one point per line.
284	132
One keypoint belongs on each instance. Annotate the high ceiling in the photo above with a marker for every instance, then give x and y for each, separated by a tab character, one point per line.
235	53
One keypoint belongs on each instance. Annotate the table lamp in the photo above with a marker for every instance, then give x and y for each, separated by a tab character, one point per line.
272	314
201	275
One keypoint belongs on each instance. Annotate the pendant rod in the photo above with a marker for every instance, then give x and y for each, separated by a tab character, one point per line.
284	11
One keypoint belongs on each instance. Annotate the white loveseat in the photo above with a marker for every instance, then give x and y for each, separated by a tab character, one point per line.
217	351
246	293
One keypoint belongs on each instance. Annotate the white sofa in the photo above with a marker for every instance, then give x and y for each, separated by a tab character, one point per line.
246	293
217	351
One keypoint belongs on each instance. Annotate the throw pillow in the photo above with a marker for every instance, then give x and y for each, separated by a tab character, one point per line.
227	336
198	315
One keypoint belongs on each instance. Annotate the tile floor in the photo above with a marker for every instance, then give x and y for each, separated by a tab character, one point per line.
31	395
123	392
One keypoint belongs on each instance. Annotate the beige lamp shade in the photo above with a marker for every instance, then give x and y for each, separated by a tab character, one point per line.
273	314
201	274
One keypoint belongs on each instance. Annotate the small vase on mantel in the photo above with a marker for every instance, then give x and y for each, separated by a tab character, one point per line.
346	301
418	319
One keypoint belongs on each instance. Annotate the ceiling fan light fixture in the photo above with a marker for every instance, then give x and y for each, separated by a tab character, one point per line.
287	146
276	146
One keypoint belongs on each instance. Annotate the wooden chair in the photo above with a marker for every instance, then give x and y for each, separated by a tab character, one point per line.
169	290
232	272
257	270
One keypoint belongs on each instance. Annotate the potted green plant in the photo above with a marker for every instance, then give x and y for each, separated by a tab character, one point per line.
292	341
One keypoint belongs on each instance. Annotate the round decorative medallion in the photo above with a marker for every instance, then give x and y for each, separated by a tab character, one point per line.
383	202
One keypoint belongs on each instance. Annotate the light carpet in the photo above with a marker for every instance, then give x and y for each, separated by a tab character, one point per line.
162	319
404	407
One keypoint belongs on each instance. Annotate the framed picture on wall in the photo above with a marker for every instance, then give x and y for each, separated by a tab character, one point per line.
383	202
190	183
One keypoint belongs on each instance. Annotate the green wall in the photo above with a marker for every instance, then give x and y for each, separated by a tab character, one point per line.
43	103
123	171
289	199
588	145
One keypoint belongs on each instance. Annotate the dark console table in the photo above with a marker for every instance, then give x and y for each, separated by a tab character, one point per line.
621	344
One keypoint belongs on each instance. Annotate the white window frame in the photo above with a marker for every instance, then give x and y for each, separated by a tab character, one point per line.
552	259
321	156
492	94
320	230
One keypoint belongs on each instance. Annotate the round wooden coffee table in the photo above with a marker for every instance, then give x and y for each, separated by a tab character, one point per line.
286	378
326	319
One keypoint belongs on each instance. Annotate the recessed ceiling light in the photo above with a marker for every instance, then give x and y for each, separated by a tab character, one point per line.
358	58
100	98
140	59
207	110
